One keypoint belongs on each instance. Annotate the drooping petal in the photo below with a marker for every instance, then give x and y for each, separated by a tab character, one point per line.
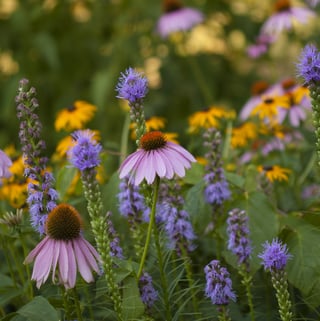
82	263
63	262
36	251
129	163
56	253
90	253
72	265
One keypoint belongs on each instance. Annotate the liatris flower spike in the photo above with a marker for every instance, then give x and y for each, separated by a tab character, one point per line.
133	87
42	196
148	293
63	249
219	287
5	163
156	157
309	69
274	259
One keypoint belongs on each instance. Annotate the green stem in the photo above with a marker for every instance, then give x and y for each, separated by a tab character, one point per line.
66	304
77	304
163	278
247	281
151	224
17	264
9	264
124	138
307	169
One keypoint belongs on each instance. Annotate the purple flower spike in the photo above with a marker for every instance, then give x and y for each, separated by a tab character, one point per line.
5	163
132	86
219	284
148	293
85	154
275	255
309	64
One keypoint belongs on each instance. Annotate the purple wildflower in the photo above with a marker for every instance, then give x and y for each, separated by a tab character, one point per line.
238	232
85	153
217	189
131	202
275	255
177	18
115	248
156	157
42	196
148	293
309	64
174	218
218	284
5	163
132	86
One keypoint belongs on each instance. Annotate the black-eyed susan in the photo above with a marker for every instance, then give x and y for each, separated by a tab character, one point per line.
244	133
275	173
268	108
75	116
208	118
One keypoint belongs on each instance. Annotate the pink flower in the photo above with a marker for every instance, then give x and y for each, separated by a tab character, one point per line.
260	46
284	16
5	163
156	156
63	250
177	18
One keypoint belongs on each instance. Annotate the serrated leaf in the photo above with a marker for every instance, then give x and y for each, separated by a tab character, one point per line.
39	309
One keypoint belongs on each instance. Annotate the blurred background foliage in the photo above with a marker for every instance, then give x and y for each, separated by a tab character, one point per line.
76	49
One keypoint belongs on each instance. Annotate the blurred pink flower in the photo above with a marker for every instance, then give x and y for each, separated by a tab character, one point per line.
284	16
177	18
156	157
261	46
5	163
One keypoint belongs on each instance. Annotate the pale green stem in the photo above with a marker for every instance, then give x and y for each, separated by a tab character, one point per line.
163	278
247	281
151	224
77	304
124	138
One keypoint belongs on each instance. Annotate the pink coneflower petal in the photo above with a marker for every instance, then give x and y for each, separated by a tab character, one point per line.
82	263
130	162
72	275
90	253
36	250
56	253
63	262
169	168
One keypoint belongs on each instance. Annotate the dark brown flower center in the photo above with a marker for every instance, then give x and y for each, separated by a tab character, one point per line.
288	84
71	108
63	223
267	168
171	5
153	140
282	5
268	101
259	88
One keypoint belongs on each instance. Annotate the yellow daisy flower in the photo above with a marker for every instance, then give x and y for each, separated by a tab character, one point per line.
75	117
171	137
240	135
267	109
275	173
209	118
14	193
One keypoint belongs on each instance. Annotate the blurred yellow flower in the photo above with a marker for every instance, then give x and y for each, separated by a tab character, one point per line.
171	137
267	109
14	193
240	135
75	117
209	118
152	123
275	172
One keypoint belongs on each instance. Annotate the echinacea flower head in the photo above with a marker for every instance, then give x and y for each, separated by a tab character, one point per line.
132	86
284	16
85	152
275	255
309	64
5	163
177	18
156	157
275	173
75	116
64	250
218	284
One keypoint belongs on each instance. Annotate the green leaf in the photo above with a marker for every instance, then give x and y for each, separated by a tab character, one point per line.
39	309
132	305
64	179
194	174
304	267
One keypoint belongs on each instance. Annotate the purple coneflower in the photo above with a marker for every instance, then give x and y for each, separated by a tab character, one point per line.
5	163
63	249
156	157
284	16
218	284
177	18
